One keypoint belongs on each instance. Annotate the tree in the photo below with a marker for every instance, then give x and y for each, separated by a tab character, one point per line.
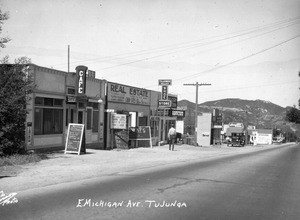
15	86
293	115
3	17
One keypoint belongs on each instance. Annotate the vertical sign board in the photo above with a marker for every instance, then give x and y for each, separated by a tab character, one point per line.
164	102
74	138
164	93
81	79
140	133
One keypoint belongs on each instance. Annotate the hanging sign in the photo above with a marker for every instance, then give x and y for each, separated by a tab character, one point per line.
81	79
74	139
164	82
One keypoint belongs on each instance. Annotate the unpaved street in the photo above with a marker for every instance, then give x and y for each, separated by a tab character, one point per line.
262	184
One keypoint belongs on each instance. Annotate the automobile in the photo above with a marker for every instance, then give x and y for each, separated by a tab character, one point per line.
237	140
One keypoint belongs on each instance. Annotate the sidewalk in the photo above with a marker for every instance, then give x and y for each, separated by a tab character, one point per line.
63	168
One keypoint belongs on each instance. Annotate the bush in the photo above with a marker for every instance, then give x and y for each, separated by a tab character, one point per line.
14	87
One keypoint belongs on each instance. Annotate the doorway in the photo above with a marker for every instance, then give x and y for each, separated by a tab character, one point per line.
80	117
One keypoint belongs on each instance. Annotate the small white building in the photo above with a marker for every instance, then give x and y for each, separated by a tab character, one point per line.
262	136
204	128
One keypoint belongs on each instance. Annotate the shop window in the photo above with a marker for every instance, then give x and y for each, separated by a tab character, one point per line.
95	121
39	101
92	117
154	127
38	119
48	102
48	120
143	121
58	102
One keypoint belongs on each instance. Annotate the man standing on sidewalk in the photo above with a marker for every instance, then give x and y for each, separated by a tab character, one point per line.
172	137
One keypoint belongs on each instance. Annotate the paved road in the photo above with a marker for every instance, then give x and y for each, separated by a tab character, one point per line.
257	185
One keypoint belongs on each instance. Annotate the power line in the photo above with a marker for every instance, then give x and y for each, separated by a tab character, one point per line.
238	60
186	45
184	48
246	87
218	47
232	62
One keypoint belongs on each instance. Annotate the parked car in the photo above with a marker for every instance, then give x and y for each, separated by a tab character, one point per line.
238	140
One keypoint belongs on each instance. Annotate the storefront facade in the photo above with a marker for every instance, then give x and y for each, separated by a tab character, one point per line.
161	119
60	98
126	107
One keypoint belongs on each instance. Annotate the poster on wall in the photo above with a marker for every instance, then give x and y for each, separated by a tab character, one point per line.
118	121
74	141
140	133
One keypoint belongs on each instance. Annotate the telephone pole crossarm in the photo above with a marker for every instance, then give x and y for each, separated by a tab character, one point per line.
196	107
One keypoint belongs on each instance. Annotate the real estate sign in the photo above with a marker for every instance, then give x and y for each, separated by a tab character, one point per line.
127	94
140	133
118	121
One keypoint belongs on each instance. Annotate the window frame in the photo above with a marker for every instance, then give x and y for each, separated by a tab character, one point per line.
55	112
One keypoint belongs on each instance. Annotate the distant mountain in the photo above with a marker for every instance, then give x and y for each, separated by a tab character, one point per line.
260	113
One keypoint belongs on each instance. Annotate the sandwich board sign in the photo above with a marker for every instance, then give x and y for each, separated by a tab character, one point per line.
75	137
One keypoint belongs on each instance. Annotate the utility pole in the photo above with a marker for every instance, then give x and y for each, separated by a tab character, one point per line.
246	130
299	88
68	58
196	107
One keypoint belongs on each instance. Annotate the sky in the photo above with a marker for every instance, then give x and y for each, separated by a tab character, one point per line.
247	49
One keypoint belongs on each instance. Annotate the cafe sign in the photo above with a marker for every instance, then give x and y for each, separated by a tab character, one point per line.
127	94
81	79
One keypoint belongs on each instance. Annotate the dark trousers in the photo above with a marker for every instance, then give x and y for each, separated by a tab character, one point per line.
171	142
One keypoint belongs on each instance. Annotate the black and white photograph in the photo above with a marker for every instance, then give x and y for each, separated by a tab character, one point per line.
149	109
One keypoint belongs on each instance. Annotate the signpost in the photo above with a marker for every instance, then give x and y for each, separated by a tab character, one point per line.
140	133
75	137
